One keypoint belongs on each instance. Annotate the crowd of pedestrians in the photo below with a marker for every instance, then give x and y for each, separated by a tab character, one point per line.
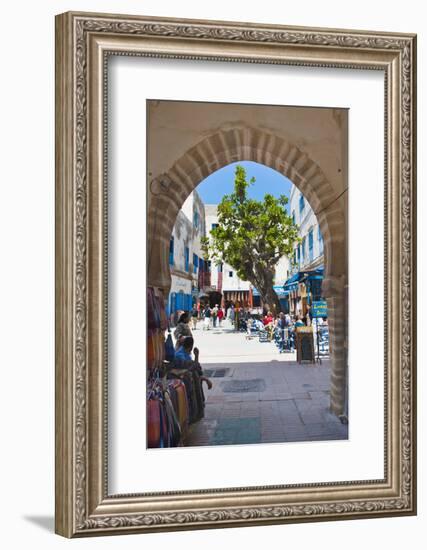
267	326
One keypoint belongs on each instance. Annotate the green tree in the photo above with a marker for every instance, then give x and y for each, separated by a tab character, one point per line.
252	236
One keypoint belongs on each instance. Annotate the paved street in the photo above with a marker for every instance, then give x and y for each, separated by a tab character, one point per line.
260	395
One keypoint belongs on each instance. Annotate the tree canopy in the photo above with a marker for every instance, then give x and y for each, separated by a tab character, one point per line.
252	236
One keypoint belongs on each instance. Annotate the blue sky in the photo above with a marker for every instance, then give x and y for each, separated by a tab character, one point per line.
221	182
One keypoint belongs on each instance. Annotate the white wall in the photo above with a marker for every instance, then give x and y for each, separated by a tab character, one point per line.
283	269
27	275
306	220
228	283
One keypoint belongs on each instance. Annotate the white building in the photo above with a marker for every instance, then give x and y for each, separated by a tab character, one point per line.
225	279
309	253
304	285
185	254
193	277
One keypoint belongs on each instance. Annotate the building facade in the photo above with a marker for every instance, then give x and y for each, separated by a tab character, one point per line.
232	288
196	280
306	271
309	252
189	272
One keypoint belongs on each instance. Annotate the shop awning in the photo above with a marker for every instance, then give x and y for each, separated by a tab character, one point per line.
278	289
281	292
301	276
292	283
312	275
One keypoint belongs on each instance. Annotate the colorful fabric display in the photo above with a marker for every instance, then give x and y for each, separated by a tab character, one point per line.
153	423
167	413
169	348
151	349
176	401
163	319
153	313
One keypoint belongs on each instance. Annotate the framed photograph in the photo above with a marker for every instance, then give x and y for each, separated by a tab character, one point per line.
235	274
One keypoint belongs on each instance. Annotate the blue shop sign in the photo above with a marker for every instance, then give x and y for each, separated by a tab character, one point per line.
319	309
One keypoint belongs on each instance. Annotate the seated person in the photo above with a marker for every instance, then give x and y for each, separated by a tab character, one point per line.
268	319
299	322
258	324
183	357
249	325
184	347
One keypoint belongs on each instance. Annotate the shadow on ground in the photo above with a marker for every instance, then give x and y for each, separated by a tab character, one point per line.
46	523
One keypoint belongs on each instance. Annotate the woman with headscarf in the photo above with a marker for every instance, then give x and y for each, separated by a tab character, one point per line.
183	329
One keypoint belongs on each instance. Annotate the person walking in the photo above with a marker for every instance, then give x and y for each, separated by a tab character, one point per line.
231	314
194	317
220	315
214	315
206	317
215	311
281	325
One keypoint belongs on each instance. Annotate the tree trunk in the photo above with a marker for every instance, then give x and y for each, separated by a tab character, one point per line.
272	300
263	281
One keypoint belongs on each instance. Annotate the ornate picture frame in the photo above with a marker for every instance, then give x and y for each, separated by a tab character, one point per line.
84	42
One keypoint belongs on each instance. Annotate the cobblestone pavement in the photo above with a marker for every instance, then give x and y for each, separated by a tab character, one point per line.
270	400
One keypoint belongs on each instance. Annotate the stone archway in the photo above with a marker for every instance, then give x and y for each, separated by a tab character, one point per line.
168	191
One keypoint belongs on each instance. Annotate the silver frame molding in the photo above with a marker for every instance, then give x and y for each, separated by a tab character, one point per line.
83	43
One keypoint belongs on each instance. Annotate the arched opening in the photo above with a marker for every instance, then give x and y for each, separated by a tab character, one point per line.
168	192
212	281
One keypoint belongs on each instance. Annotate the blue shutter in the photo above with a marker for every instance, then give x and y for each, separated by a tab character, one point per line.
171	251
301	204
173	302
310	245
320	238
187	258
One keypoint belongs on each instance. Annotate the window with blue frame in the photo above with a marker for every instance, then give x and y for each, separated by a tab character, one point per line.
172	307
301	204
299	254
187	258
310	245
180	300
293	217
303	250
195	263
196	219
171	251
320	239
214	225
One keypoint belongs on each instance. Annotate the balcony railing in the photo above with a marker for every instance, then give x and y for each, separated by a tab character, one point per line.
204	279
